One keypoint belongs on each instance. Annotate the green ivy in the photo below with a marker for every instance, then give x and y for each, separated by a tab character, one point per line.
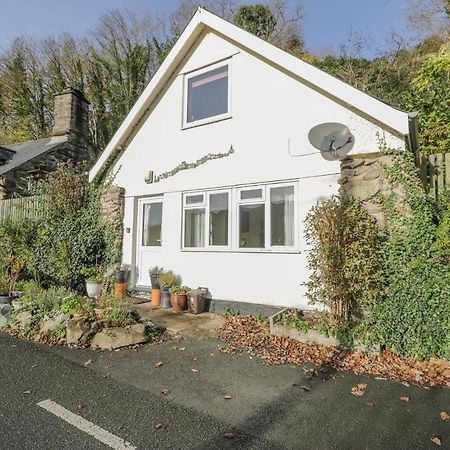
413	316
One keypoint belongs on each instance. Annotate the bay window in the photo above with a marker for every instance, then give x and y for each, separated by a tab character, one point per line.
255	218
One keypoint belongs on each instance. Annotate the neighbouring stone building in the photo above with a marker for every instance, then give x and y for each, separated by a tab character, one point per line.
31	160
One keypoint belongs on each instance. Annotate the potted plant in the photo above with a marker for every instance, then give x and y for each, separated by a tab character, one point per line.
154	273
166	280
94	280
178	297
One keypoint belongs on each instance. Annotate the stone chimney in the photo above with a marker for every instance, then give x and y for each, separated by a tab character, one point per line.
71	116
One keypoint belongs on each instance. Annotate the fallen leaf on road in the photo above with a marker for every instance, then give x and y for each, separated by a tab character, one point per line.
88	362
229	435
158	364
444	416
194	370
359	390
160	426
227	397
405	398
165	391
436	440
305	388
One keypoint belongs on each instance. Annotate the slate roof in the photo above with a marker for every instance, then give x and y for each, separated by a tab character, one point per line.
12	156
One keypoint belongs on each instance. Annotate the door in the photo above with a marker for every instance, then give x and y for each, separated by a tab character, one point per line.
149	237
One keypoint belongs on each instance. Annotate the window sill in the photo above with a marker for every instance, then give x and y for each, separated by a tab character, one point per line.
199	123
241	250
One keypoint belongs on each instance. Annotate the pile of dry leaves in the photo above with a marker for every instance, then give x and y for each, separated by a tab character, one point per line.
253	336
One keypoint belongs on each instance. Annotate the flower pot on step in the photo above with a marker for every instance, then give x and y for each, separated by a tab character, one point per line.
120	290
156	298
165	298
179	302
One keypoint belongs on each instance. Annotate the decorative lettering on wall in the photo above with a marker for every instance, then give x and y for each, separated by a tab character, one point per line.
192	165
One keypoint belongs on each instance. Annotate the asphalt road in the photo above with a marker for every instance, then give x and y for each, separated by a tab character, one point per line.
269	406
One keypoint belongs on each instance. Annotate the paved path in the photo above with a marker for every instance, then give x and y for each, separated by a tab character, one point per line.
120	394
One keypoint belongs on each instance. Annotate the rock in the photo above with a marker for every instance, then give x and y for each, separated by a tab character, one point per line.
111	338
138	328
22	318
6	310
51	324
3	321
76	329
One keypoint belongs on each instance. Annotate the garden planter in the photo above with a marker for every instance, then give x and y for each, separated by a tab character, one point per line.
120	290
94	288
179	302
121	276
6	299
196	301
156	298
165	298
154	282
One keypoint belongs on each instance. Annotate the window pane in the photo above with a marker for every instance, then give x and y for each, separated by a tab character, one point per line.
251	193
194	228
218	219
208	94
282	216
193	199
151	232
251	226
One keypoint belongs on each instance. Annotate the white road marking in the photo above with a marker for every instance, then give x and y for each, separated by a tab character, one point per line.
77	421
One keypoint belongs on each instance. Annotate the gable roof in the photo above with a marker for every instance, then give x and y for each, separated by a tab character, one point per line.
17	154
392	118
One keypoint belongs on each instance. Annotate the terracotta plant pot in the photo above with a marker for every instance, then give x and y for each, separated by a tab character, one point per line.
120	290
156	298
179	302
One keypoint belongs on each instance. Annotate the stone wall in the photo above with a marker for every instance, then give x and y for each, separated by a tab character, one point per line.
113	208
364	177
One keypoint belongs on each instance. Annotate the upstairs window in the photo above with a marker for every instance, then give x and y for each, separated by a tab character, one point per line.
207	93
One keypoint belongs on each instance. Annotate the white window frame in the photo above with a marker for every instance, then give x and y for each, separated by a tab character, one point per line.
205	206
233	219
212	119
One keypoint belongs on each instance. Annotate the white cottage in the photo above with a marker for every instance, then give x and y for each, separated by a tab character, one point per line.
217	167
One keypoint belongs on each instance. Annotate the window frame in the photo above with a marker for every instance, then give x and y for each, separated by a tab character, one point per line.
187	76
233	219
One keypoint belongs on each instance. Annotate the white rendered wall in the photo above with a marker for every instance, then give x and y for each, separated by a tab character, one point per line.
272	114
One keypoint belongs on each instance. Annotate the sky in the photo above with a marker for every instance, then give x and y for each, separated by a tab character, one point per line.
326	24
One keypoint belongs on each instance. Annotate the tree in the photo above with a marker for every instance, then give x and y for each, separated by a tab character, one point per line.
257	19
432	99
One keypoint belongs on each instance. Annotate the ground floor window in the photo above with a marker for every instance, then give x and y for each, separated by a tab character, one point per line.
255	217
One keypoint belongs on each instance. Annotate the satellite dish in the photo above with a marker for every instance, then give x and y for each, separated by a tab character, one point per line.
332	138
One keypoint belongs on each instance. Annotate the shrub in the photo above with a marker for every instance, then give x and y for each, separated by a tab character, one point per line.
76	305
413	318
345	257
74	235
118	311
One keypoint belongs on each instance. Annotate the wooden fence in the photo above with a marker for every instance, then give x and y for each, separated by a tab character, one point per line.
435	172
23	208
